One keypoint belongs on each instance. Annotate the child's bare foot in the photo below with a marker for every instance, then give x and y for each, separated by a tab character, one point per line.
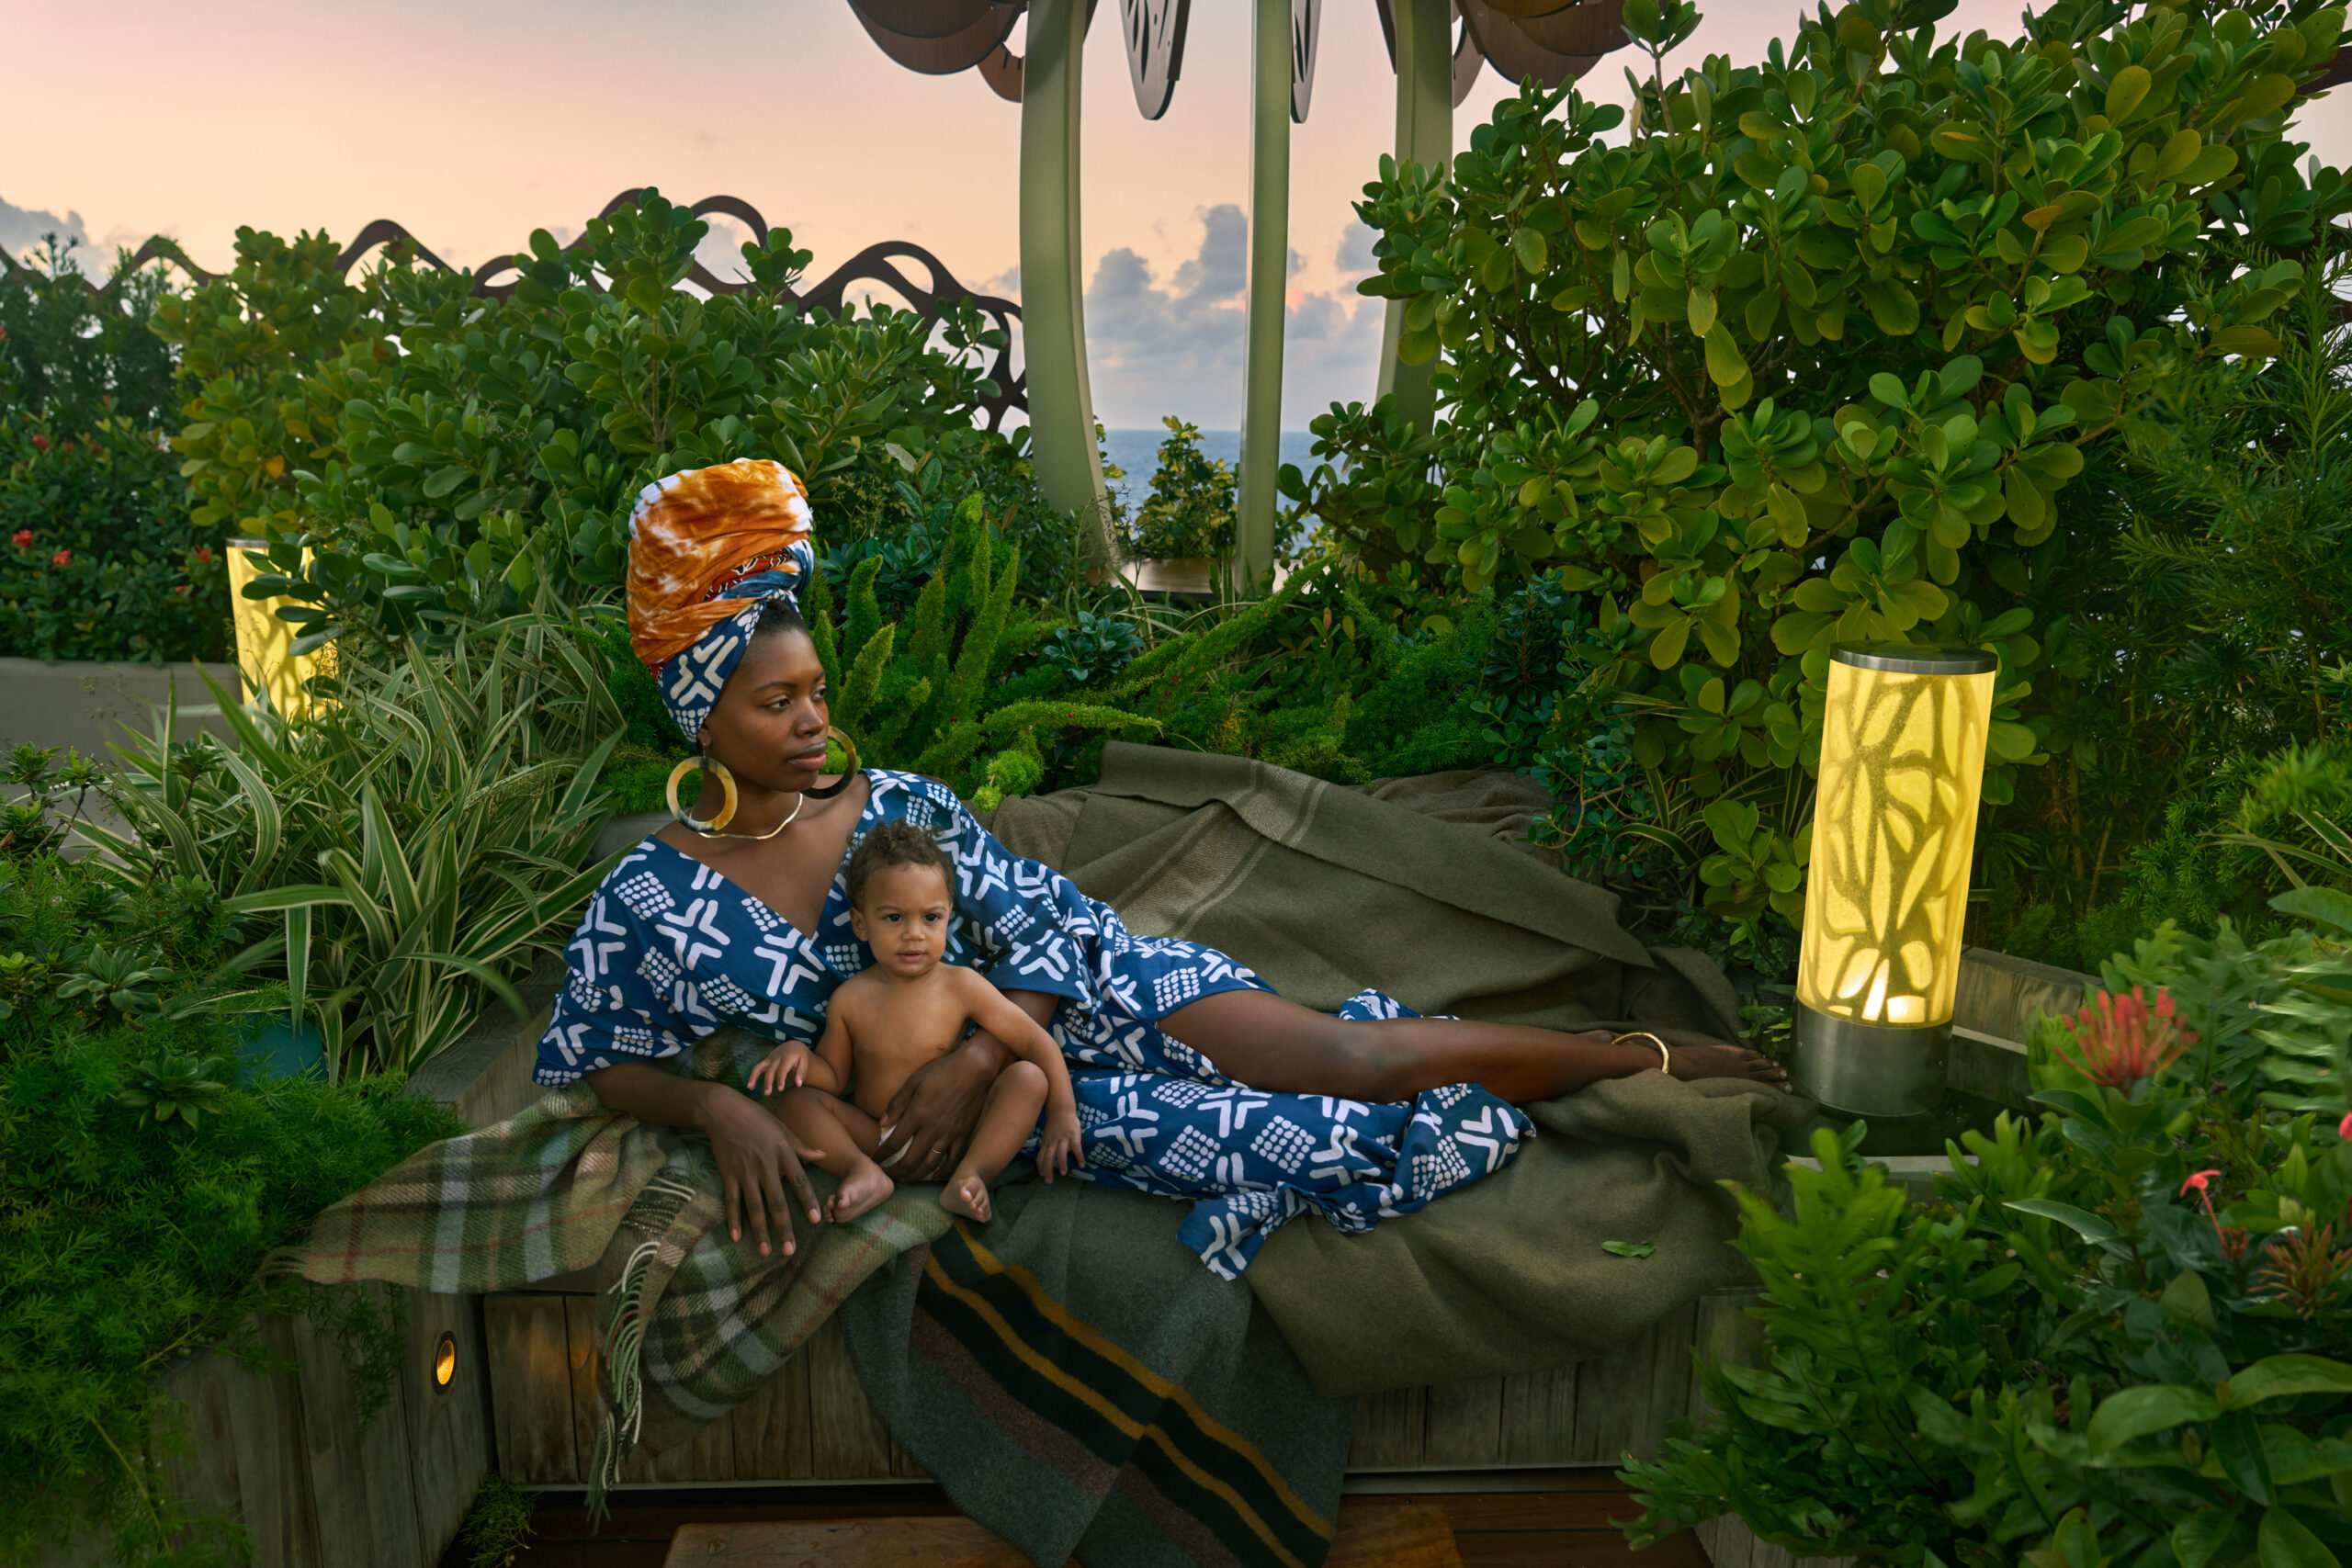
865	1185
968	1195
1693	1062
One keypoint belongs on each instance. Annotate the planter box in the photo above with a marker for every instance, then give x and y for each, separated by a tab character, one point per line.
85	705
284	1453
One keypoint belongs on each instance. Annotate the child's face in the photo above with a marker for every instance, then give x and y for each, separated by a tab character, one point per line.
903	918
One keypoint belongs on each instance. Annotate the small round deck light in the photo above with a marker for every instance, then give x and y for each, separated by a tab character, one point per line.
1893	828
444	1361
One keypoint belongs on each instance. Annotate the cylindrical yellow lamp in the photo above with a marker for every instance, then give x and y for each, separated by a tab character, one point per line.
1903	738
265	656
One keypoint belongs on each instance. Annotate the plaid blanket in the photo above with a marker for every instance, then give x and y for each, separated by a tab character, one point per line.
1080	1385
689	1323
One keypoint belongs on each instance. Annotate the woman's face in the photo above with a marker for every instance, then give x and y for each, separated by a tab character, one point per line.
768	727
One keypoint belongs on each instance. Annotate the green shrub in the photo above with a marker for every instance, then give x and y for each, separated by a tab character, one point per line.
414	842
503	442
2123	1332
78	359
97	556
129	1238
1816	353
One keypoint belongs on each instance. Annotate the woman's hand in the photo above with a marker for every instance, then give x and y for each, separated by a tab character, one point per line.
929	1121
757	1158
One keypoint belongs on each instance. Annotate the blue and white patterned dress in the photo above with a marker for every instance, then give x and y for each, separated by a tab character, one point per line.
671	951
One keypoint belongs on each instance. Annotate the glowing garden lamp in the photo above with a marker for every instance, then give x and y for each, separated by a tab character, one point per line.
1903	738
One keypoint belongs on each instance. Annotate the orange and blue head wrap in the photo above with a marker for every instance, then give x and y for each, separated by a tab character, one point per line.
709	549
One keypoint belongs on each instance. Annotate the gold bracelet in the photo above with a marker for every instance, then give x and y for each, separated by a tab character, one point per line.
1664	1062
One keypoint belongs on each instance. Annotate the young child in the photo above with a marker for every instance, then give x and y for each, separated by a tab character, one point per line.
908	1009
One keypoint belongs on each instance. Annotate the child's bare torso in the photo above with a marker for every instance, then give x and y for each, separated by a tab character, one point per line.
898	1026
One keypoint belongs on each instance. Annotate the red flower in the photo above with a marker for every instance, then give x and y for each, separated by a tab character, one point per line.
62	557
2119	1041
23	539
41	442
2344	1128
204	555
2200	1182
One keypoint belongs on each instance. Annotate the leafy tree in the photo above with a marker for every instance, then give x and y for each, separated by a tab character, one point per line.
440	454
1190	510
1814	353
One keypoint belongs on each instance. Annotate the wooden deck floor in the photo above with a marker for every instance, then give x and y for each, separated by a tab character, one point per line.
1564	1525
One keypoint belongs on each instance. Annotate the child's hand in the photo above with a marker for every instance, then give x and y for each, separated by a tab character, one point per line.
784	1068
1058	1148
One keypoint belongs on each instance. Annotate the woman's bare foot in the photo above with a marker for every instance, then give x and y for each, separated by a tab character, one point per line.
968	1195
866	1185
1693	1062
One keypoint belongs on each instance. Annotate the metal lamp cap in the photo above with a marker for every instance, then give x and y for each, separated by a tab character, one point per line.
1914	657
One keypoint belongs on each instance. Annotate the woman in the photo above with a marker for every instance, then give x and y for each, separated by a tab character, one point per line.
1193	1078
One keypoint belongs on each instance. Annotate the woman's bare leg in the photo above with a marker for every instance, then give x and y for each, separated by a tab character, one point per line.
1269	1043
845	1138
1006	1122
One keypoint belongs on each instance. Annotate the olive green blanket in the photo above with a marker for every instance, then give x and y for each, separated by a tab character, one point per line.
1424	887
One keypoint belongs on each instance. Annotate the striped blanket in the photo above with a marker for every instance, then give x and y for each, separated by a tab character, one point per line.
1080	1385
689	1323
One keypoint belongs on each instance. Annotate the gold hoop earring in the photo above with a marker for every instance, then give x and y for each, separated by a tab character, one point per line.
710	769
836	733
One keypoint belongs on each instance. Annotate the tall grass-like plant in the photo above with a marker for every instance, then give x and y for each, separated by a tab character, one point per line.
420	837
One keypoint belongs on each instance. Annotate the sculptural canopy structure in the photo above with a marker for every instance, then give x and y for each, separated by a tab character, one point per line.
1436	67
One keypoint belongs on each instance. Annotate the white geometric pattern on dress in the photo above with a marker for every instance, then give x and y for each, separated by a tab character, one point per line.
1285	1142
656	969
1175	988
1440	1168
767	919
1452	1095
1178	1092
1190	1154
844	956
644	894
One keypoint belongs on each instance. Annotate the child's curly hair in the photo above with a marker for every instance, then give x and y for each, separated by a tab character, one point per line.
895	843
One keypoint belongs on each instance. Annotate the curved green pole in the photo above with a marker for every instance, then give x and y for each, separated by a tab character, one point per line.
1425	136
1053	283
1261	419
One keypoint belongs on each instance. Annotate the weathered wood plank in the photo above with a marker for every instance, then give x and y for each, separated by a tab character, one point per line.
580	1362
1539	1417
771	1426
1372	1533
1613	1397
449	1427
846	1439
530	1388
707	1454
273	1456
1463	1427
1389	1428
1672	1340
198	1453
359	1476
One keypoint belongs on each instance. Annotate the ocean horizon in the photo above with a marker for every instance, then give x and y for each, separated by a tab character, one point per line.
1137	451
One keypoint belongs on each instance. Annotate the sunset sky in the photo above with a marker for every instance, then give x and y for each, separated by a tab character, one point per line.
473	124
